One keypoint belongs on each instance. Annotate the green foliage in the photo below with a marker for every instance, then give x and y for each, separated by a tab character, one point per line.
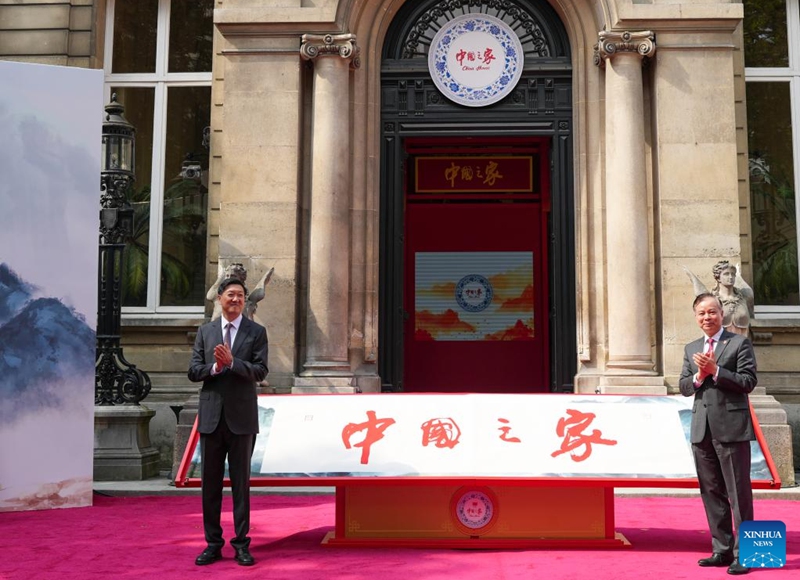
775	241
776	275
134	258
765	38
183	220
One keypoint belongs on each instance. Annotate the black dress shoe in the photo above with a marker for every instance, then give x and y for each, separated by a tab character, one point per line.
208	556
716	559
737	568
243	557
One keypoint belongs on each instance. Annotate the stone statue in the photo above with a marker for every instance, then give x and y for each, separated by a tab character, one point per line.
734	293
237	270
257	294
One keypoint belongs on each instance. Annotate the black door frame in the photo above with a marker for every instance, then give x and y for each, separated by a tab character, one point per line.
540	105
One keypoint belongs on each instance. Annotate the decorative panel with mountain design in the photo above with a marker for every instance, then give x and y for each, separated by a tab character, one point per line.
474	296
50	197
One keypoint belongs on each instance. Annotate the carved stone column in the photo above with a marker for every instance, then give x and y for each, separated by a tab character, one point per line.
627	236
329	242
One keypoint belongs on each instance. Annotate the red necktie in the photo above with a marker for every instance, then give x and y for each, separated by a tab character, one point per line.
710	350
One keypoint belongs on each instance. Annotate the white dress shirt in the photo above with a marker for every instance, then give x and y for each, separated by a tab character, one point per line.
234	329
716	338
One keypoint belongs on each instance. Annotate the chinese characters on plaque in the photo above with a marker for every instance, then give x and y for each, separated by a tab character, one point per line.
473	174
488	174
475	59
476	435
445	433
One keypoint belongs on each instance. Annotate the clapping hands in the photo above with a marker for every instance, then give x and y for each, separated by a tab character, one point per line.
706	365
223	356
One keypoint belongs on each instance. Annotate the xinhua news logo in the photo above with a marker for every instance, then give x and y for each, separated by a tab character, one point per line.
762	544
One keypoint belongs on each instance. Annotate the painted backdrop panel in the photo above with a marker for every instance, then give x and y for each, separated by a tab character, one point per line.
474	296
49	204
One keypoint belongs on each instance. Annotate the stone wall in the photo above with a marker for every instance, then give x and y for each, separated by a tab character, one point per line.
777	344
58	32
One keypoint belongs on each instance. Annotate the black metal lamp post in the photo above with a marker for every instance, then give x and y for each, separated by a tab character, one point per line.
117	381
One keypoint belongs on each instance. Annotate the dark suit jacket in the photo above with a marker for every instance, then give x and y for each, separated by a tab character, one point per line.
234	389
724	404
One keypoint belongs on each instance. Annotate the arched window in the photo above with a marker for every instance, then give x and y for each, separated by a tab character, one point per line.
531	21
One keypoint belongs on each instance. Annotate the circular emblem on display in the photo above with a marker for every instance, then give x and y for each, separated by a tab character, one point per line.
475	60
474	510
474	293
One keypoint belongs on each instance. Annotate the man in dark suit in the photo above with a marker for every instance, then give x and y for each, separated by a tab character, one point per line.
720	370
229	357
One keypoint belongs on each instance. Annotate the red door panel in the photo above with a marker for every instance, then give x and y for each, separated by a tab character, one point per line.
476	294
475	271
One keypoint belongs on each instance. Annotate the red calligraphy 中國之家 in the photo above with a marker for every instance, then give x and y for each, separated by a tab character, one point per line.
373	431
442	432
571	429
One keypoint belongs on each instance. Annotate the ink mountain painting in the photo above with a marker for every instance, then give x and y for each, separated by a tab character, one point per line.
474	296
47	353
49	225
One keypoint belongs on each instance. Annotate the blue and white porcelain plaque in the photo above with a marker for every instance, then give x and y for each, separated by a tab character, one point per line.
475	60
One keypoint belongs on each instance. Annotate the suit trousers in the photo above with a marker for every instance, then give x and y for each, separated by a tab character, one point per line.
723	470
239	451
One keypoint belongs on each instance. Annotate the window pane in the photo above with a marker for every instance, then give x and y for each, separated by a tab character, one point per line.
183	252
769	127
135	25
190	27
765	33
138	104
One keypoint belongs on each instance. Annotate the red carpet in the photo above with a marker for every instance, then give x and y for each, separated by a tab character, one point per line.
159	537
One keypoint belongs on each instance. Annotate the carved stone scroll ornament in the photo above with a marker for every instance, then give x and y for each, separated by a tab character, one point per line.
343	45
612	43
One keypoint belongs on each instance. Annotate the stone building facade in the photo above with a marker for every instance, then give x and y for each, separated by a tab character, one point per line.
317	110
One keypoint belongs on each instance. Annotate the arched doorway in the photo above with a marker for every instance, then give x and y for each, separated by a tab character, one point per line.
463	242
